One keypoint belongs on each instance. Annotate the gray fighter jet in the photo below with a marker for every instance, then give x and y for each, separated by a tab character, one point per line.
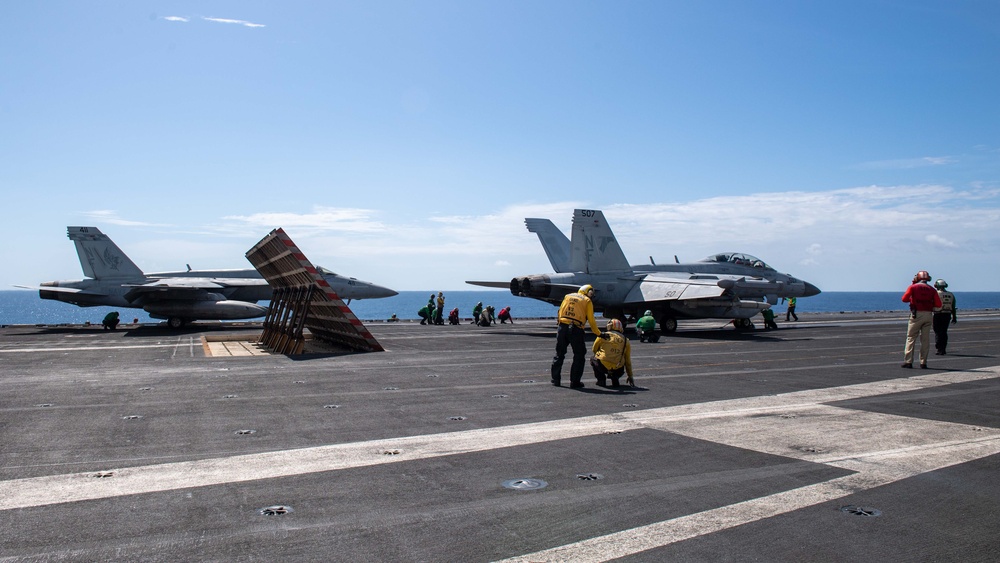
727	285
113	280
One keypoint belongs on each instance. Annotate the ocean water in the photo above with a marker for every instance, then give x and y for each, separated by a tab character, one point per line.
25	307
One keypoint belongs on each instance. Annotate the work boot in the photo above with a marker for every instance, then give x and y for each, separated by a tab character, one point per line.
908	366
923	365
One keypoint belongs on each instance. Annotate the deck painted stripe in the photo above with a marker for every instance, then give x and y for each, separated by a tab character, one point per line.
82	348
661	534
41	491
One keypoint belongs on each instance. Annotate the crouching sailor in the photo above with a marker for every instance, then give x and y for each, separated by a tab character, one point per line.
612	356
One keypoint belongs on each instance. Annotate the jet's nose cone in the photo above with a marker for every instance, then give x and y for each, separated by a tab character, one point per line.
380	292
810	290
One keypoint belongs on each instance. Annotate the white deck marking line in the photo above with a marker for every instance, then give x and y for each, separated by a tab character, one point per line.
180	343
880	448
53	489
881	471
83	348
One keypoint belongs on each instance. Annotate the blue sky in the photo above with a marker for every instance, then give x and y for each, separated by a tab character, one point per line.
848	143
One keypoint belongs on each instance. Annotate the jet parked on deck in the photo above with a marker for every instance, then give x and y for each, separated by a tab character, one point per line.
113	280
726	285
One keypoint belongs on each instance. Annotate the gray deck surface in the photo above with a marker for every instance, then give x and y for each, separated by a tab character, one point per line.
134	446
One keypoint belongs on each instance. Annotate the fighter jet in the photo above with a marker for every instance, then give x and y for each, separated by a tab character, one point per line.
727	285
113	280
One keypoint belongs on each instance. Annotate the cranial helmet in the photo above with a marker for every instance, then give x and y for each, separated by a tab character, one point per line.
615	325
940	284
648	314
585	290
922	275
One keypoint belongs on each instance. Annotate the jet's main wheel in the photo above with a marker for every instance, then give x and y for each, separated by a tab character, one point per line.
668	324
175	322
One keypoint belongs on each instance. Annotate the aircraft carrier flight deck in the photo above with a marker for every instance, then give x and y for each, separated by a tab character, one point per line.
806	443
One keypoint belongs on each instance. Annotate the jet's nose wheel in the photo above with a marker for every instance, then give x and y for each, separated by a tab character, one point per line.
668	324
175	322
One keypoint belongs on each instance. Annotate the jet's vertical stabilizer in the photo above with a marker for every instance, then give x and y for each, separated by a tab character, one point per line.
101	258
554	242
594	248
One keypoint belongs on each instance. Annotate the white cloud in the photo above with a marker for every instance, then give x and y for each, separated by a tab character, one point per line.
864	238
177	19
907	163
321	219
110	217
940	241
244	23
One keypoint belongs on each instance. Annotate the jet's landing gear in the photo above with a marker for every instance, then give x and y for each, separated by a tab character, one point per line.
176	322
668	325
743	324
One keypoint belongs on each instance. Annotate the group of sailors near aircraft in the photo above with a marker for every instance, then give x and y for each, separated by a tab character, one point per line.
433	313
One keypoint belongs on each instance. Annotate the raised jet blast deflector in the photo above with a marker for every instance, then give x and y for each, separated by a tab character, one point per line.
303	300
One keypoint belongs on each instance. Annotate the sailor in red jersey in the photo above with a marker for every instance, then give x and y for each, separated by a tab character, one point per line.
923	299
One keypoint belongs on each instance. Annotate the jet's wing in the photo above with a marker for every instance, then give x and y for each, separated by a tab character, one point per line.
58	289
188	288
502	285
656	287
197	283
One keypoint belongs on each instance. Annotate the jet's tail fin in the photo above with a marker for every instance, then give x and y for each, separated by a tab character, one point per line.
554	242
101	258
594	248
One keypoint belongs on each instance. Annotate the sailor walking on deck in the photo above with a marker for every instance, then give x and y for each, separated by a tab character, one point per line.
576	309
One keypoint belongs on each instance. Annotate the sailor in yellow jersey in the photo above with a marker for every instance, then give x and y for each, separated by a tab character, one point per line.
576	309
612	356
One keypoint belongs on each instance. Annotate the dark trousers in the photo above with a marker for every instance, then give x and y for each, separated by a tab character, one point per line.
602	373
790	313
941	321
569	335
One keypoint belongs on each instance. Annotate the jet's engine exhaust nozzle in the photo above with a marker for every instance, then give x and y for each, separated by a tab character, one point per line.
530	286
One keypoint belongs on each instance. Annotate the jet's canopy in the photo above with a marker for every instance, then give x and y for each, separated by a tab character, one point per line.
738	258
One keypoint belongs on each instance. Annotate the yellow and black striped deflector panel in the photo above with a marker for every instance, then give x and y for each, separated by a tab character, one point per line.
303	299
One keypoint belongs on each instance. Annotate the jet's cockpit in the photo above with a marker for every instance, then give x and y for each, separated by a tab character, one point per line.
738	258
327	272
